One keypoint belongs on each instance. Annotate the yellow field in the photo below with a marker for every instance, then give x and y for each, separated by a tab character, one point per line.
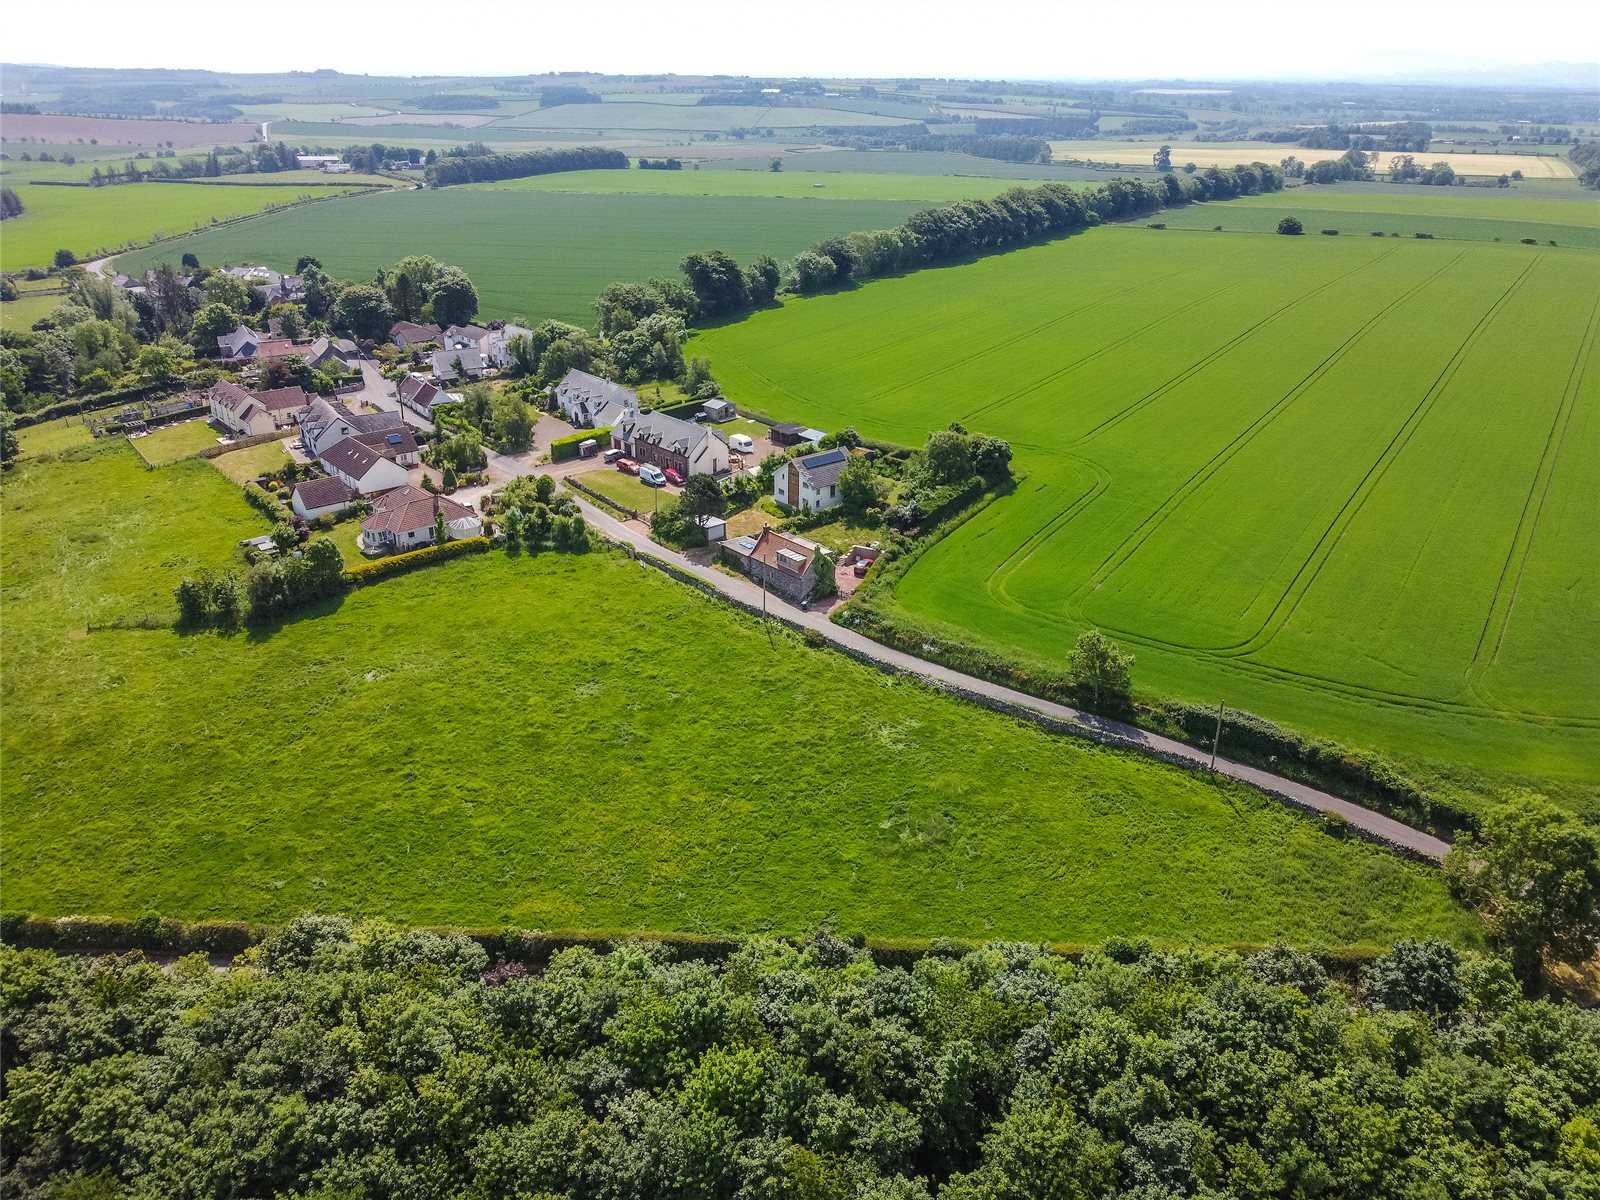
1229	154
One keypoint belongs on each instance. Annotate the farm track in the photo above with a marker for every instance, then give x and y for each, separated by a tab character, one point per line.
1549	460
1136	539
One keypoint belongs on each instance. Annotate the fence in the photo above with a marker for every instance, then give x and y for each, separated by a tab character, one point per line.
259	439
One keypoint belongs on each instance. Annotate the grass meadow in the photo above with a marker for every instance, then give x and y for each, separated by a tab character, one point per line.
89	220
169	443
19	315
1349	484
251	462
794	184
531	254
576	741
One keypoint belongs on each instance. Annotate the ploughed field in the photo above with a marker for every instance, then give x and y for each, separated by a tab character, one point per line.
1351	484
564	741
532	254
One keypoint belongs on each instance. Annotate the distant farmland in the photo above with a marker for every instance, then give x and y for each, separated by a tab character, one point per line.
1227	154
1352	484
532	254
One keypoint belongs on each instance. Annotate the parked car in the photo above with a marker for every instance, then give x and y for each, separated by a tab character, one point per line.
612	454
861	566
742	442
674	476
651	474
627	466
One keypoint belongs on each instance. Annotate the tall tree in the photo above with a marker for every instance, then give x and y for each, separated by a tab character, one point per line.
1101	665
454	300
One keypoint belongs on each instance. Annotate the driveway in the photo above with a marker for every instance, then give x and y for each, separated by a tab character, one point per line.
379	393
1059	717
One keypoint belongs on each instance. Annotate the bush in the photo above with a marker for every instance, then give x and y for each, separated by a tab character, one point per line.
364	573
566	448
1427	237
1331	232
1291	227
1530	241
266	503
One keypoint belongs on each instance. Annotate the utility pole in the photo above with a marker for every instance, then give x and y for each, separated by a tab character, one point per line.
1217	738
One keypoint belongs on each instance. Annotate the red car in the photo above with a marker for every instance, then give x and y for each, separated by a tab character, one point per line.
861	566
627	466
674	476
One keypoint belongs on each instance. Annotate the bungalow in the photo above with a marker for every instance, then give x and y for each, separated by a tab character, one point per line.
409	333
336	352
444	364
285	404
591	402
780	563
810	482
327	422
670	442
243	342
419	395
237	411
408	519
319	497
366	470
278	348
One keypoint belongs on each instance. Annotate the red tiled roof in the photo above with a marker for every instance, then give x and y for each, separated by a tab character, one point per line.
771	542
324	492
278	399
407	508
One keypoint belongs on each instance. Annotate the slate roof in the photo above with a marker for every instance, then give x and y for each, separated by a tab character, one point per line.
475	333
582	387
414	332
658	429
229	344
444	362
416	390
229	395
822	470
324	492
282	399
391	443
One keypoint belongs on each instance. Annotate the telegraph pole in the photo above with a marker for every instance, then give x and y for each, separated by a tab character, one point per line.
1217	737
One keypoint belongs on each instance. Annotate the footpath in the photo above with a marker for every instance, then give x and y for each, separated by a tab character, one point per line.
1372	825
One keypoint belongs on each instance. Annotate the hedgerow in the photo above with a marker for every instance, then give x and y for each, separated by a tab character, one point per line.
565	448
365	573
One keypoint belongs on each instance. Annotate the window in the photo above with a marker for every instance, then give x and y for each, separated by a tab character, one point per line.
411	533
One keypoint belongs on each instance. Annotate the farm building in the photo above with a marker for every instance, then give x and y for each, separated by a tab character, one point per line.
670	442
810	482
319	497
795	435
591	402
408	517
781	563
314	162
237	411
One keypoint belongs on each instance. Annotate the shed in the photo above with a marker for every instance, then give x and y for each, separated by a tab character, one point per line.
716	529
720	410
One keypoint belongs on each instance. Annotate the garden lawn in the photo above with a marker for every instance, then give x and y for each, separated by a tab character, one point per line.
169	443
91	221
252	462
532	255
543	741
19	315
629	490
1347	483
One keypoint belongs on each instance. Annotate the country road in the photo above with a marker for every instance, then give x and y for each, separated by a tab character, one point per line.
1090	725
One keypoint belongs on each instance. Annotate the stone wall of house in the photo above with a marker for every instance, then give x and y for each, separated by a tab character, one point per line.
793	588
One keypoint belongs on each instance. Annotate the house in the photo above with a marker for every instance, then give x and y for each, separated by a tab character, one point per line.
810	482
670	442
795	435
419	395
319	497
398	444
325	422
493	345
781	563
463	337
408	519
336	168
444	364
279	348
314	162
285	404
408	333
237	411
719	410
590	402
335	352
243	342
366	470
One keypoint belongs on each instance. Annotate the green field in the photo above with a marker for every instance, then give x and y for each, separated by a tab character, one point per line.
820	185
21	313
1456	213
531	254
559	741
172	442
1348	483
630	491
89	220
252	461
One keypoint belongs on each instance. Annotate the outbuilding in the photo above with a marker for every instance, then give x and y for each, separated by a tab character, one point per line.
720	410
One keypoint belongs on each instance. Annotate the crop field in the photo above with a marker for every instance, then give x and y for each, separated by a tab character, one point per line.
1351	484
86	220
531	254
1228	154
125	131
794	184
679	118
493	773
1500	218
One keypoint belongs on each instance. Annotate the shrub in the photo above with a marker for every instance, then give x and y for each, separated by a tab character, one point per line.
1291	227
1427	237
1331	232
265	502
364	573
1530	241
566	448
1156	225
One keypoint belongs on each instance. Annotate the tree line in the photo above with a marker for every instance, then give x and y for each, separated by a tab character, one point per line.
339	1060
484	167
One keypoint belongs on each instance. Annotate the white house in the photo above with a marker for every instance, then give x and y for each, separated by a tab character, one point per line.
591	402
314	162
408	518
493	345
810	483
363	468
237	411
326	422
419	395
670	442
319	497
285	404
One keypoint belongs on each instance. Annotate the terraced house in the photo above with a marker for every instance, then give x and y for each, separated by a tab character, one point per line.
670	442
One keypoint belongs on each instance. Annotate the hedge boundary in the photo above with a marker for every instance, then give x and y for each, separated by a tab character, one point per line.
614	505
532	947
564	449
400	564
258	439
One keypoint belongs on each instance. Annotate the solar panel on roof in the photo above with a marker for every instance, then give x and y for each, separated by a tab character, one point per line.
394	439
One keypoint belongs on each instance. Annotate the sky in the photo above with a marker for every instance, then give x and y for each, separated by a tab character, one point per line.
972	39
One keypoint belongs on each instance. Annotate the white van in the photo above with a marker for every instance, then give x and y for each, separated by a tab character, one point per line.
651	474
742	442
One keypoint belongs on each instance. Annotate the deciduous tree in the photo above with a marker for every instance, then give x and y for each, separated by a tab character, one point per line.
1101	665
